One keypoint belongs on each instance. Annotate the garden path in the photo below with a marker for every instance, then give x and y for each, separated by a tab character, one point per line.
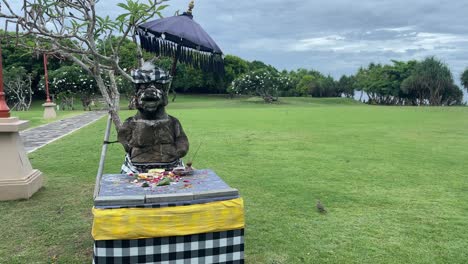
37	137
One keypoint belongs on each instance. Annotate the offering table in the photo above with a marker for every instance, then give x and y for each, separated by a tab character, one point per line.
198	219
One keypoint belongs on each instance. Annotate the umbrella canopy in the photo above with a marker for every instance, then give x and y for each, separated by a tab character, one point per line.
184	39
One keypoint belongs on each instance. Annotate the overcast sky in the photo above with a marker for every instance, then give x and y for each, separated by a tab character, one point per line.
335	36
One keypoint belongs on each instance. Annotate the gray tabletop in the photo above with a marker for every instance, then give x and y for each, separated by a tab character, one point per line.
119	190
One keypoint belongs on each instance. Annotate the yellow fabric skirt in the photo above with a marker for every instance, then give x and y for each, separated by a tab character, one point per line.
139	223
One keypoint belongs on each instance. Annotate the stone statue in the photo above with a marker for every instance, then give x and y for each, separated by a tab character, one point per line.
152	138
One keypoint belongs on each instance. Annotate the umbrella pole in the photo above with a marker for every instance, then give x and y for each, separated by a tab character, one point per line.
174	70
174	65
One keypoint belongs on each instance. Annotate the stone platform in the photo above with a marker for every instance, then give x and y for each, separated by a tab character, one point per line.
199	219
18	180
201	187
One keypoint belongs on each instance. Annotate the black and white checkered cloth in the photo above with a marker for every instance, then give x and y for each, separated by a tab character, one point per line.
129	167
220	247
154	75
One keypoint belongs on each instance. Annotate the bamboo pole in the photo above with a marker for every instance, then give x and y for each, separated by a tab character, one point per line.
97	187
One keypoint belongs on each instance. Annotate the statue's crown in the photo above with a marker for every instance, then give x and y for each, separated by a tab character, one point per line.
150	73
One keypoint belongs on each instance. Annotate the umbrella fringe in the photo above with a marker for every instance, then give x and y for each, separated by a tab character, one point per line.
205	61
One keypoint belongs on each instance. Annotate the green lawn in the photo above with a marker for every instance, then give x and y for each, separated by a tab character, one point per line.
36	112
394	180
35	116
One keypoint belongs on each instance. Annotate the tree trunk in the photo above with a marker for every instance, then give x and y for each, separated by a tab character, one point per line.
30	92
111	102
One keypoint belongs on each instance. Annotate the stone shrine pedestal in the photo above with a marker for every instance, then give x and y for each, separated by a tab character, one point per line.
49	111
199	219
18	180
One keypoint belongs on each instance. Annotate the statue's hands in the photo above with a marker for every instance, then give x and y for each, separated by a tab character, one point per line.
127	148
181	152
172	152
178	152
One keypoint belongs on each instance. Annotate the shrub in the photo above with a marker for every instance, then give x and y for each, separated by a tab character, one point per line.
263	82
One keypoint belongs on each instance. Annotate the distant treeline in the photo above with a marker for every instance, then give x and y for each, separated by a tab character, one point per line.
427	82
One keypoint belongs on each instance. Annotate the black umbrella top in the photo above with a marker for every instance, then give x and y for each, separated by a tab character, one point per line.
184	39
182	30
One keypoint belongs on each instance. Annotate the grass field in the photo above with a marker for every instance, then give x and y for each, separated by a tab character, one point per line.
394	181
36	112
35	116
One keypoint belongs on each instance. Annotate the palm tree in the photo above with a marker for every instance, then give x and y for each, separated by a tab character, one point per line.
433	76
464	79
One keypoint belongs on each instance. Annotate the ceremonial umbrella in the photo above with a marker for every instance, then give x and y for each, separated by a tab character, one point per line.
183	39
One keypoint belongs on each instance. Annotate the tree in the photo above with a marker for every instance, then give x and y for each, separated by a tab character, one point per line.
128	58
314	83
262	82
22	57
297	75
18	87
327	87
234	67
382	83
464	79
414	91
305	81
346	86
258	65
189	78
306	84
376	82
452	95
432	79
73	30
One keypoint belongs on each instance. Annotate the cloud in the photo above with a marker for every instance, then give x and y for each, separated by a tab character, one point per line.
334	36
397	29
400	40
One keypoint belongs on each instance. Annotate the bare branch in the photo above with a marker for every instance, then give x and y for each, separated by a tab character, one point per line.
3	15
92	25
9	8
114	92
121	71
69	28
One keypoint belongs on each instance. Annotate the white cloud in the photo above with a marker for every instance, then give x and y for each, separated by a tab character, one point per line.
403	41
311	43
397	29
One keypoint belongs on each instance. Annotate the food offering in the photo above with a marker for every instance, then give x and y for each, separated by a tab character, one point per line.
160	177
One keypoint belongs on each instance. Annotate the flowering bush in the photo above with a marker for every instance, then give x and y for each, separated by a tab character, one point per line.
68	82
263	82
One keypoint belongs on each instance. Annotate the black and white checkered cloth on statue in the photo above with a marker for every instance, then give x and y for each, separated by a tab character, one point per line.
220	247
129	167
150	74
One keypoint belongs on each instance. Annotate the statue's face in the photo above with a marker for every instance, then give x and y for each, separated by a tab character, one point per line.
150	98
